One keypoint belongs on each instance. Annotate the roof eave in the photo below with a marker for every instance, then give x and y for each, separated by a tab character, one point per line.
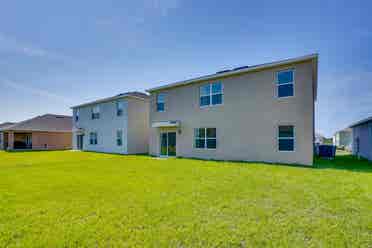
108	99
313	57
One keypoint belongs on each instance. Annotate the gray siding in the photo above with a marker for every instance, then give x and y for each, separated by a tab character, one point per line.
363	133
106	127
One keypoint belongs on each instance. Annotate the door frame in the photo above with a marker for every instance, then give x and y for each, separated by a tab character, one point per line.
161	134
80	142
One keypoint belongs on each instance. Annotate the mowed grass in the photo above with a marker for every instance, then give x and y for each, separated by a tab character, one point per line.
70	199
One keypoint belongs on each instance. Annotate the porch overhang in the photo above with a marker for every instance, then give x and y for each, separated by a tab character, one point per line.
78	131
158	124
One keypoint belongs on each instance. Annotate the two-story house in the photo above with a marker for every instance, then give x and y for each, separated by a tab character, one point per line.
255	113
118	124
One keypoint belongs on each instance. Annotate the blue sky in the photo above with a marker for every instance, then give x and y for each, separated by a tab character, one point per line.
55	54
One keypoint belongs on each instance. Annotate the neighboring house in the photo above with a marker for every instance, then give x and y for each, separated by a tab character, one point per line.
343	139
3	141
319	139
116	124
46	132
362	138
255	113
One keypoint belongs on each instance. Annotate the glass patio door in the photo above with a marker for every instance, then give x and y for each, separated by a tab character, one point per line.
168	144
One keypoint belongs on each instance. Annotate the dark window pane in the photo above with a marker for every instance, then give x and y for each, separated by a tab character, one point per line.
200	133
205	101
160	98
286	131
211	133
216	88
199	143
216	99
205	90
285	77
285	90
286	144
160	106
211	143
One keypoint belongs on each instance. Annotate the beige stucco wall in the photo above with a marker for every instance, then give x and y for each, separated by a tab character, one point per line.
51	141
138	126
248	119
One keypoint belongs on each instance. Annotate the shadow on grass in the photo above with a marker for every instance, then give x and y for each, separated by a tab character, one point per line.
344	162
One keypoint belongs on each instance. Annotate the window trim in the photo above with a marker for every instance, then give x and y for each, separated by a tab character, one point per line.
279	138
99	112
205	139
276	82
211	94
117	108
77	115
121	137
96	138
156	102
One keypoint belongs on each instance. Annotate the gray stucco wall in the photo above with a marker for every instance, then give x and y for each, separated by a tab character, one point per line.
138	126
344	139
247	122
363	133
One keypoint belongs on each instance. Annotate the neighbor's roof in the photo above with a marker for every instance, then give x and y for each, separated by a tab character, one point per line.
135	94
6	124
44	123
369	119
246	69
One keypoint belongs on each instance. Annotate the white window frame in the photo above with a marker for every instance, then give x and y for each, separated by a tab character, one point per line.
277	83
156	102
211	94
205	139
293	138
121	137
96	112
77	115
118	102
90	138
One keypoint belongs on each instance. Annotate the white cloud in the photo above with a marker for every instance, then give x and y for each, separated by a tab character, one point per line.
37	92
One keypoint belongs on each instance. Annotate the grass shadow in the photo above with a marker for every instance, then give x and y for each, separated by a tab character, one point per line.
344	162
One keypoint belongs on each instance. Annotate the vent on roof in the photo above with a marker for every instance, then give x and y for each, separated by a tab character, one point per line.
121	94
223	71
60	117
241	68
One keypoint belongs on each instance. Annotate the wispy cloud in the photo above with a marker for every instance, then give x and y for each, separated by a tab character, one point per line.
13	45
35	91
10	44
161	7
344	98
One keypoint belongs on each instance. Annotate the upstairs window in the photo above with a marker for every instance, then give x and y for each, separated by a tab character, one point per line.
211	94
119	137
119	108
286	138
285	83
205	138
95	112
93	138
160	102
77	114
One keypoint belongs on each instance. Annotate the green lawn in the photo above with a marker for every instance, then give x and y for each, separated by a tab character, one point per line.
64	199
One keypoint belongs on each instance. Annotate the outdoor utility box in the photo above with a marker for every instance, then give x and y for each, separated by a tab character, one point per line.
327	151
